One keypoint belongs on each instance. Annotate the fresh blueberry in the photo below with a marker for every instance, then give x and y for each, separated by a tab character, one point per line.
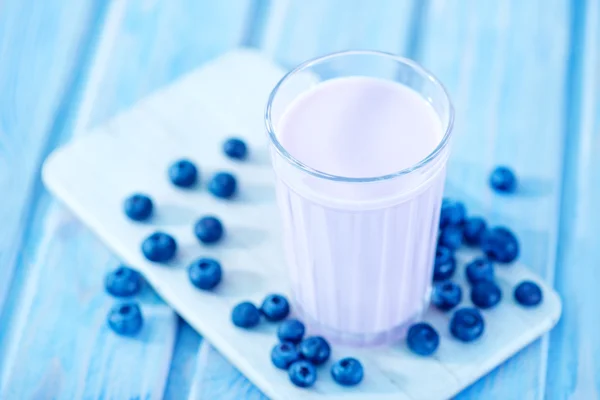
473	229
422	339
209	229
528	294
159	247
123	282
500	245
347	371
486	294
451	237
284	354
446	295
275	307
315	349
302	373
480	269
245	315
138	207
291	330
445	264
503	179
183	173
235	148
467	324
222	185
125	319
205	273
453	213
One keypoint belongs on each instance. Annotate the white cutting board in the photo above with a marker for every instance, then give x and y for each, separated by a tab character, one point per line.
190	118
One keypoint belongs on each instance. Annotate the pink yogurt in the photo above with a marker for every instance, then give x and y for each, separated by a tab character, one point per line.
360	255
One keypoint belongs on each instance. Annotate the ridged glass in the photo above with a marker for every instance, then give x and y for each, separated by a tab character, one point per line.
350	289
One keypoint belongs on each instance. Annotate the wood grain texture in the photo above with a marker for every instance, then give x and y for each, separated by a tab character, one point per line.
312	28
183	364
159	41
146	40
573	359
216	378
504	65
63	327
524	78
39	59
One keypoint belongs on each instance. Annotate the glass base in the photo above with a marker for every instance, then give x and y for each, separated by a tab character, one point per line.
357	339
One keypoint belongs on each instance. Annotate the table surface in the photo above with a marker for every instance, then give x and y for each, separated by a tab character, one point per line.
525	80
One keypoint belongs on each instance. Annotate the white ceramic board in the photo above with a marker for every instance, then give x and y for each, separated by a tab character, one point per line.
95	172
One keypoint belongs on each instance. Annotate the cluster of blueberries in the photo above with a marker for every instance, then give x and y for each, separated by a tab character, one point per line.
298	355
499	245
205	273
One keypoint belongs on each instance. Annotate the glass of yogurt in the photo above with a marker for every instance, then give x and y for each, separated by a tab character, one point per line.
359	143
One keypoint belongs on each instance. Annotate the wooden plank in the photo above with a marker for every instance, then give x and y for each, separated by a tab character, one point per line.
159	41
302	30
65	348
183	364
165	40
504	65
573	370
216	378
40	56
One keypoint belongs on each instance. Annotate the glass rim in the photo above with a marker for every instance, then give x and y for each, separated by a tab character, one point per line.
320	174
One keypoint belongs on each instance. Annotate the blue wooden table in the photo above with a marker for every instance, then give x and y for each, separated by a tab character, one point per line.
525	80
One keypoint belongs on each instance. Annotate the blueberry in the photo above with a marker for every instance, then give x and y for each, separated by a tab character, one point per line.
284	354
528	294
315	349
291	330
159	247
503	180
275	307
209	229
235	148
245	315
222	185
347	371
446	295
480	269
302	373
453	213
205	273
183	173
445	264
500	245
123	282
422	339
451	237
473	229
138	207
486	294
125	319
467	324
